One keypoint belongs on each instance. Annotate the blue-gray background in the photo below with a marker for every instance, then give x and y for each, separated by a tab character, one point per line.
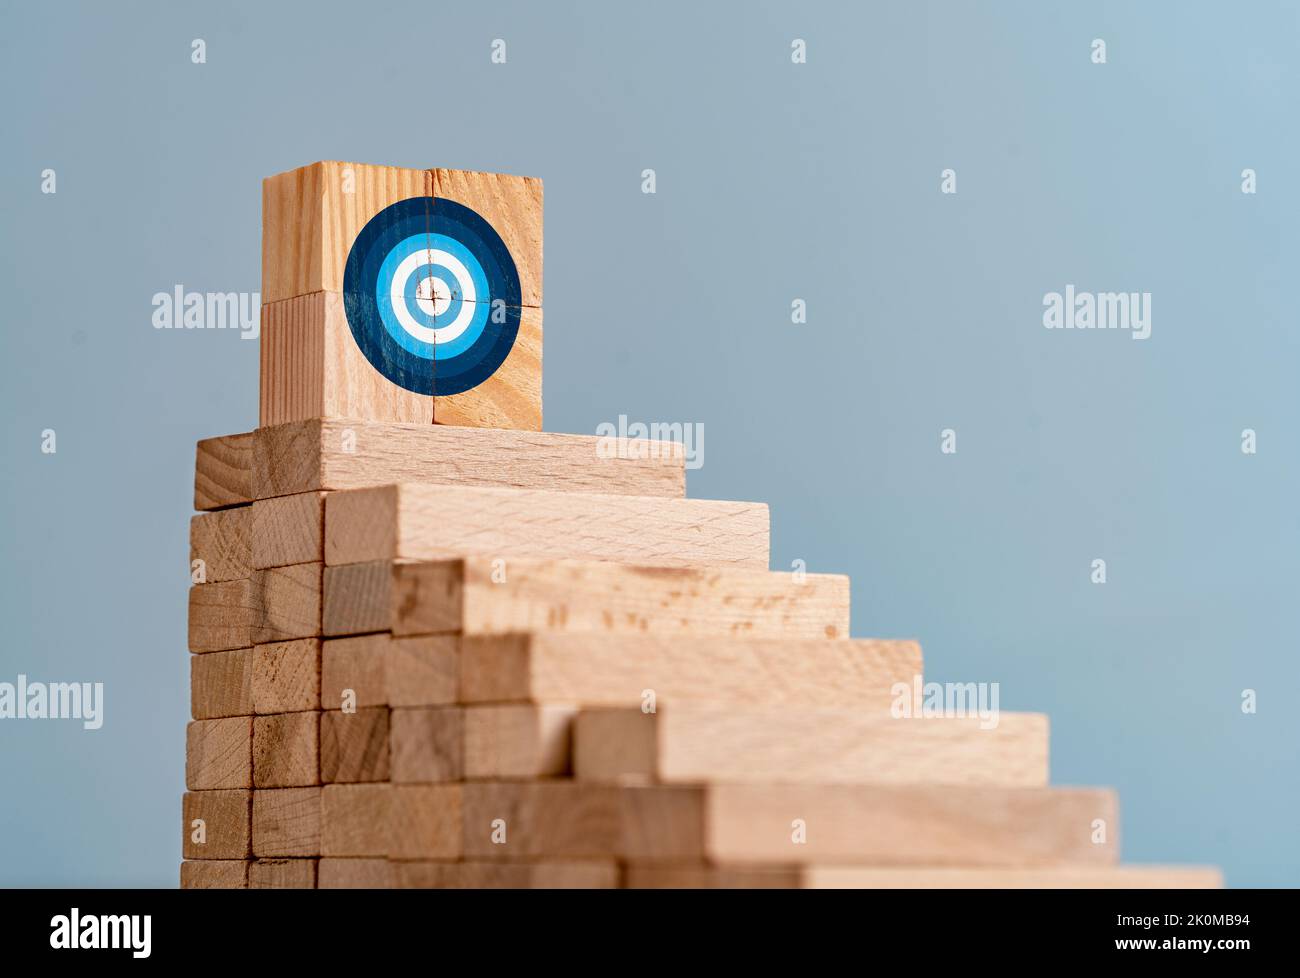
775	182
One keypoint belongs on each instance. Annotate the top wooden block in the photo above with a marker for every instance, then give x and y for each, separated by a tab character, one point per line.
312	215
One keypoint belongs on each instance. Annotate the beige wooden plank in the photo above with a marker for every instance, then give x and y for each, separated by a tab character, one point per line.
423	670
223	471
700	876
428	744
354	745
221	616
286	822
547	875
688	743
352	454
218	754
222	542
286	750
358	598
216	824
354	874
426	822
221	684
511	398
355	819
352	671
423	522
214	874
286	676
617	670
613	598
282	874
288	530
518	740
286	603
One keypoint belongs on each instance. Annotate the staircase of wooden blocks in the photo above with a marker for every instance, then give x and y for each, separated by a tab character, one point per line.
480	655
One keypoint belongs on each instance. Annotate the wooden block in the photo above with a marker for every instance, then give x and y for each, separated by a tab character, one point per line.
286	750
358	598
288	530
518	741
282	874
355	819
223	470
214	874
286	603
354	746
221	616
700	876
551	875
616	670
512	396
311	367
218	754
221	684
216	824
286	676
450	596
352	671
426	822
521	821
222	540
354	874
423	522
428	744
690	743
286	822
423	670
316	455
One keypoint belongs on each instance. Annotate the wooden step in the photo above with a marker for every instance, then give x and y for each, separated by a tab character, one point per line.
648	876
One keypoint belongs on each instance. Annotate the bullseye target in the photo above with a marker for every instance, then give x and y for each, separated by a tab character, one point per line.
432	296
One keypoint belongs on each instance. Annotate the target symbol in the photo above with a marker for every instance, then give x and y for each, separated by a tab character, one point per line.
432	296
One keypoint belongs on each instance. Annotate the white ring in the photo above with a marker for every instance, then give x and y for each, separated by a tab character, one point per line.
419	259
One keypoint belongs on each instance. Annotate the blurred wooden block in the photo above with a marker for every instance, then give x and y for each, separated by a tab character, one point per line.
426	822
222	540
286	750
511	398
428	744
505	741
355	819
358	598
223	471
616	670
691	743
218	754
421	522
282	874
308	456
286	676
354	874
462	596
221	684
921	877
352	671
286	822
288	530
221	616
214	874
286	603
551	875
216	824
354	745
423	670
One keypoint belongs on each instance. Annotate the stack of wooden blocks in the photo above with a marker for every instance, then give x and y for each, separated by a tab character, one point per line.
434	646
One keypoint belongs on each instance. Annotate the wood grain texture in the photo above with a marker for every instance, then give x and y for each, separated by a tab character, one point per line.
316	455
688	743
218	754
286	603
423	670
223	541
428	744
311	367
354	746
214	874
616	670
549	875
614	598
358	598
355	819
216	824
426	822
512	396
286	822
286	676
352	671
221	616
221	684
354	874
288	530
223	471
520	740
286	750
423	522
282	874
642	876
